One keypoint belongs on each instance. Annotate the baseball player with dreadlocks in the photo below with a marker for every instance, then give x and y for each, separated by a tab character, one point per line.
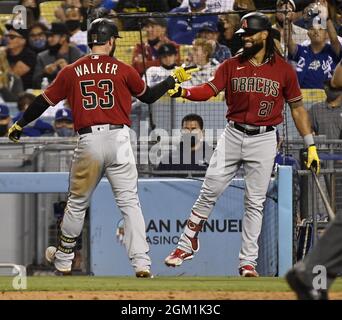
256	83
99	89
328	250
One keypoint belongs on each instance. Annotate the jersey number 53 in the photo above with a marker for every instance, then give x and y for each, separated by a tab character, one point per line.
90	91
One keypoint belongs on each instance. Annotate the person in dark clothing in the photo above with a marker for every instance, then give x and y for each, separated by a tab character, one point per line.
192	153
20	57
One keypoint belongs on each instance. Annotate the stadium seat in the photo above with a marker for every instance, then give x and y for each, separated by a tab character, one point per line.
4	17
47	10
311	96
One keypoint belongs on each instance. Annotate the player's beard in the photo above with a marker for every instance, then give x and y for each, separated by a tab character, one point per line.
249	53
111	53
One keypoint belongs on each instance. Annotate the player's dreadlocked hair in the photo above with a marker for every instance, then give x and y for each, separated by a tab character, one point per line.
271	47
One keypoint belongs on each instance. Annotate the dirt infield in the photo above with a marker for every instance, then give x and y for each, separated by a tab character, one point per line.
150	295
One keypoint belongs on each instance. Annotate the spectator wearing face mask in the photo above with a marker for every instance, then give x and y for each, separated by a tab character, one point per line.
37	37
5	120
193	153
156	36
59	54
167	54
64	124
77	36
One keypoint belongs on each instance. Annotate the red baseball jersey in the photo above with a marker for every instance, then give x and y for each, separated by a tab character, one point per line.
98	89
255	95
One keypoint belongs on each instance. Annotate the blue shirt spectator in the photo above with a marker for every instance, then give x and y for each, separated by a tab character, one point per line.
314	68
183	30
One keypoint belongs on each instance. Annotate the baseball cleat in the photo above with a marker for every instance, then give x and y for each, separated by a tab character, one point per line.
50	258
248	271
144	274
302	290
50	254
177	257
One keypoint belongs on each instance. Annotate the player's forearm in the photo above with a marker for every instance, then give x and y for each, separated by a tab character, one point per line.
199	93
335	43
292	45
154	93
302	121
34	111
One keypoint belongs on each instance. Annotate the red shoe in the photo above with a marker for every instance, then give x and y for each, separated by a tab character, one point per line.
248	271
177	257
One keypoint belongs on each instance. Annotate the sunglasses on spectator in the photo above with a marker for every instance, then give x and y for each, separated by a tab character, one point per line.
12	36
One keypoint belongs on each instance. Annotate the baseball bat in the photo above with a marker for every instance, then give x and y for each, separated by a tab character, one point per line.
324	198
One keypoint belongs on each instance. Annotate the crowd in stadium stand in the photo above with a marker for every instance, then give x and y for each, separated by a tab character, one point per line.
31	58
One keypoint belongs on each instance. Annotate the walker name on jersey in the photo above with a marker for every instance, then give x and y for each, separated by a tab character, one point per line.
256	84
96	68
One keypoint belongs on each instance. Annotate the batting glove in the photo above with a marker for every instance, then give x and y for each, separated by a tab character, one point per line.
15	132
176	92
313	159
181	74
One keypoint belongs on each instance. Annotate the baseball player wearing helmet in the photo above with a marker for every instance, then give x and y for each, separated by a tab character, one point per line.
327	251
99	89
257	83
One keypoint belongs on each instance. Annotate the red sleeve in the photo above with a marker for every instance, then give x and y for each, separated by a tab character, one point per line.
291	90
135	84
219	82
199	93
57	90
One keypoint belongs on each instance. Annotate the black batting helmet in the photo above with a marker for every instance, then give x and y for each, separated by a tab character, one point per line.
101	30
254	22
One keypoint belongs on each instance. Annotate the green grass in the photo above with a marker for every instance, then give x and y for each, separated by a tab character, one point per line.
75	283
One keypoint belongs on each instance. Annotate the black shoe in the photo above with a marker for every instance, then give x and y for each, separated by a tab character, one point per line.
303	291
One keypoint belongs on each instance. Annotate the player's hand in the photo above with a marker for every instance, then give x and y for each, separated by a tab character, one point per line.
15	132
181	74
176	92
313	159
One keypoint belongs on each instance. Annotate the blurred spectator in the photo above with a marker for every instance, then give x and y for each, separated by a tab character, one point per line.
64	124
316	62
37	37
20	57
77	36
33	12
5	120
184	29
167	54
156	36
254	5
60	12
231	23
214	5
139	6
326	118
298	34
59	54
193	153
210	33
202	51
10	84
37	127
